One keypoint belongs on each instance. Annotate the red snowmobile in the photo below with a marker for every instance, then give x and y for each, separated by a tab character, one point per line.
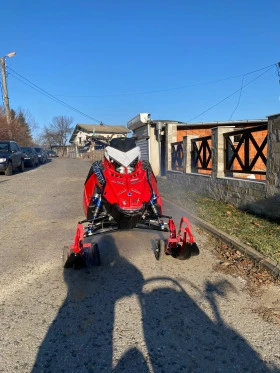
121	193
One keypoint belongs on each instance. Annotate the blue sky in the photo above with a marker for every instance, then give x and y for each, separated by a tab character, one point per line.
114	59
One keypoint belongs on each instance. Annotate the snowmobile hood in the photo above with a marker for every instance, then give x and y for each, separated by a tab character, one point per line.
123	158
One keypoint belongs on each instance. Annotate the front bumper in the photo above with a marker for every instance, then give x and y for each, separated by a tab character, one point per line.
28	161
3	166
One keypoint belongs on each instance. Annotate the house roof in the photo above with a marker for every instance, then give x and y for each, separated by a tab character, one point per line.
97	128
236	123
273	115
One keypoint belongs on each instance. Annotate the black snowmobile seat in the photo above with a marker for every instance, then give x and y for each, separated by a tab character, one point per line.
123	144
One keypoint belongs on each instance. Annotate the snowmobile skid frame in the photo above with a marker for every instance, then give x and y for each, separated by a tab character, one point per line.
179	245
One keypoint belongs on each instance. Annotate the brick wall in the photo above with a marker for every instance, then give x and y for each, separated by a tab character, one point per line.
258	136
259	196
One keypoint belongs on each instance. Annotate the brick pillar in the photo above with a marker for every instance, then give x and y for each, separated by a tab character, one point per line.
218	150
187	147
170	137
273	157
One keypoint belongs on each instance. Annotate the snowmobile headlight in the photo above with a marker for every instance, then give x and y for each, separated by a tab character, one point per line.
130	169
121	169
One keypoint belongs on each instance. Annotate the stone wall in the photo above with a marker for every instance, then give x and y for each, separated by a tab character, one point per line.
260	197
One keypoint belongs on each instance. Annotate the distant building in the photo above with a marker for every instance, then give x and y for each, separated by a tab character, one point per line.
83	133
150	137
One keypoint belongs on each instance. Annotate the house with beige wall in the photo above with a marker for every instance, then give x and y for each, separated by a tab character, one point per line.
82	134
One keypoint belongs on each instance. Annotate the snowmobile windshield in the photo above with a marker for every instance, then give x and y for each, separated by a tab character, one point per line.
123	144
124	154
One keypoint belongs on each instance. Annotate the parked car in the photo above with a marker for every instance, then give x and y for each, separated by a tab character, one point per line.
46	155
30	156
41	155
51	153
11	157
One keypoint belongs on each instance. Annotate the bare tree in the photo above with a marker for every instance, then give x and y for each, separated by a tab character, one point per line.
58	132
48	137
33	125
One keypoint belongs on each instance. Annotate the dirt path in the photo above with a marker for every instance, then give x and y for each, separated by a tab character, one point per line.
132	314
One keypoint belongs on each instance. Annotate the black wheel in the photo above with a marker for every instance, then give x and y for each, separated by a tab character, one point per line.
71	260
9	169
21	167
160	248
194	249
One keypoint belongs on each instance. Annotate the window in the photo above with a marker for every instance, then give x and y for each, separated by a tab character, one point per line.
14	147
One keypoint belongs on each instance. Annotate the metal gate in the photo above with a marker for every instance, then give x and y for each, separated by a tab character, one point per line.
143	143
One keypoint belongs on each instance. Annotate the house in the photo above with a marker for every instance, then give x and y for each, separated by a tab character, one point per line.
156	136
83	133
150	137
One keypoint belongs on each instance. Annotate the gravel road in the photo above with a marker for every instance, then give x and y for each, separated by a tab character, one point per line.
132	314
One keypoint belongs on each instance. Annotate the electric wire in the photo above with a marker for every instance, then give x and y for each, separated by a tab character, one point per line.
278	71
175	88
266	68
47	94
239	98
232	94
159	90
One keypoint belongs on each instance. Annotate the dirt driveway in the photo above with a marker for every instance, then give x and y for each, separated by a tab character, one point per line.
132	314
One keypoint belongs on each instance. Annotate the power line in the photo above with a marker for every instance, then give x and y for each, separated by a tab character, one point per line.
173	88
239	98
52	97
42	91
232	94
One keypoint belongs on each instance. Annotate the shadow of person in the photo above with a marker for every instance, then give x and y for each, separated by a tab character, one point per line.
180	337
132	361
80	337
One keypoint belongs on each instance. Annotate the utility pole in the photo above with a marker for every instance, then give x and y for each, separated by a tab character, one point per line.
5	89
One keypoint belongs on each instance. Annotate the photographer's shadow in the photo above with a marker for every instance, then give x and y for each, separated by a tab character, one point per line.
80	337
179	336
182	338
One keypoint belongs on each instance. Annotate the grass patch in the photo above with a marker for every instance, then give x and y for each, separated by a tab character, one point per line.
258	232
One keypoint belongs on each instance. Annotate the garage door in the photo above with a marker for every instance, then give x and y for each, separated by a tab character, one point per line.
143	143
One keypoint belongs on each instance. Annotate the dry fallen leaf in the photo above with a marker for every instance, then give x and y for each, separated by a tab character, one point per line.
257	224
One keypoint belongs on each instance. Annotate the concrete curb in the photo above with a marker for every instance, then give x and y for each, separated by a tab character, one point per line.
267	263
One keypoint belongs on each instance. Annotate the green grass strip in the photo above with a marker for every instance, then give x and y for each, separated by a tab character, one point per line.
258	232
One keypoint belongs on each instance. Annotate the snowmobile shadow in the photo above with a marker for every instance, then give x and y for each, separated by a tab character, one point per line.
178	335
